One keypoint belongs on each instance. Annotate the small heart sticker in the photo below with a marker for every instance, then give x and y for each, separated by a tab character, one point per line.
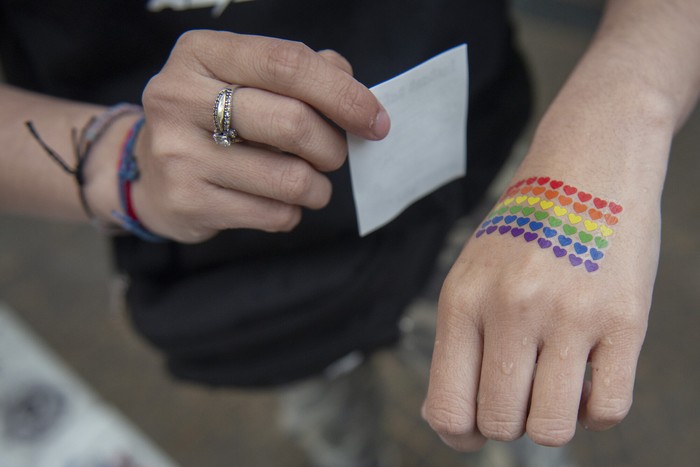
559	211
615	208
574	219
570	229
590	225
569	190
579	208
599	203
596	254
605	231
610	219
585	237
595	214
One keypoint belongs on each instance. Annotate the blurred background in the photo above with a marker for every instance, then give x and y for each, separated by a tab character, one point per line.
57	281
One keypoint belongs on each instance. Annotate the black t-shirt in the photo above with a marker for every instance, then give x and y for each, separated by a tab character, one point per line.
251	308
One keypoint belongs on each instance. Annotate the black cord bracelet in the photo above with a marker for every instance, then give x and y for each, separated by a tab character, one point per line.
82	147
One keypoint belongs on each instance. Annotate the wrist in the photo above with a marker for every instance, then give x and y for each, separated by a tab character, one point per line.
611	141
101	179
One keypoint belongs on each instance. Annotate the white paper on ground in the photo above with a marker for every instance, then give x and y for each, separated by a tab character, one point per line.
426	146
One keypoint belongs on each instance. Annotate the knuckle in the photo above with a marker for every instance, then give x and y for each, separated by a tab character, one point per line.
353	100
295	181
444	419
191	40
457	310
153	93
187	39
452	296
626	319
294	124
499	425
447	424
284	218
521	297
610	412
333	162
285	61
336	157
501	431
551	432
337	59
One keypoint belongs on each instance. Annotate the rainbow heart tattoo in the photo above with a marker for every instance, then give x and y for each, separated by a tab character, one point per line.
554	216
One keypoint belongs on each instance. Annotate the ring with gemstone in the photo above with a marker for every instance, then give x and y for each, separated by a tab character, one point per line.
223	111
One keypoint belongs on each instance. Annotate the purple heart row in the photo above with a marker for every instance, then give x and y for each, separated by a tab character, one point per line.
544	243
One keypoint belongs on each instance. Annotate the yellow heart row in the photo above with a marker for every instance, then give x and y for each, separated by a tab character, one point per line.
590	225
531	200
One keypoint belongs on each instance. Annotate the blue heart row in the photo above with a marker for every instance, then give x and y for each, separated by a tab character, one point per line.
544	242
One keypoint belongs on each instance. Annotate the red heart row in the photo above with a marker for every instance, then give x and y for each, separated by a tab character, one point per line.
568	189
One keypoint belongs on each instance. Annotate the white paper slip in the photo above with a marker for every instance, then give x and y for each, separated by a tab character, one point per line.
426	146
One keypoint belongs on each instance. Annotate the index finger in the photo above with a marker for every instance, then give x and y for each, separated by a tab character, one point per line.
291	69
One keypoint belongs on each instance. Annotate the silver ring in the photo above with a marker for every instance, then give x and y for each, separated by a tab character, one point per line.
223	133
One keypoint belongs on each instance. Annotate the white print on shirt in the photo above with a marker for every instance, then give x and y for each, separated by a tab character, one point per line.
218	6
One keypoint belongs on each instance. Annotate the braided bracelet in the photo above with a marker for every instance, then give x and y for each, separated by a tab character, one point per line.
128	173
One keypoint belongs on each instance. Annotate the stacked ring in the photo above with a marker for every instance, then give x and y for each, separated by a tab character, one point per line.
223	133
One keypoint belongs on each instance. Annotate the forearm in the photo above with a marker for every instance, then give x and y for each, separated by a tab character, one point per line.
31	183
617	113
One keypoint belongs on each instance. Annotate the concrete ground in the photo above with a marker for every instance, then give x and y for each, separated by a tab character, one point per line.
57	279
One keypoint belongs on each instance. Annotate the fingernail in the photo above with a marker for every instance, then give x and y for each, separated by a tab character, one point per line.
380	124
